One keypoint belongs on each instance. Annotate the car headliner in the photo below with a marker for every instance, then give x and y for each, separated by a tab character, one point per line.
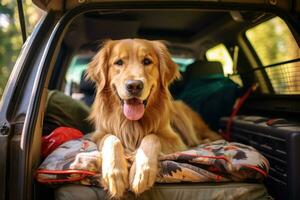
188	30
69	4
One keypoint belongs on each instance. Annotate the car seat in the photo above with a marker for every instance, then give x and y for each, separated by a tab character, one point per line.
87	88
208	91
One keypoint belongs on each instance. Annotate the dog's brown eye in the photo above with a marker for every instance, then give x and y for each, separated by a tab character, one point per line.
147	61
119	62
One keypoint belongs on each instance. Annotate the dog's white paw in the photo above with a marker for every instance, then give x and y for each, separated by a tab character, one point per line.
114	168
142	174
115	180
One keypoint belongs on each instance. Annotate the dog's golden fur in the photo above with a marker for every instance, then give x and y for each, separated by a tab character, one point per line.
139	142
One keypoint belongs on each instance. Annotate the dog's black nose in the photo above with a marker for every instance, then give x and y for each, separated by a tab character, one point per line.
134	87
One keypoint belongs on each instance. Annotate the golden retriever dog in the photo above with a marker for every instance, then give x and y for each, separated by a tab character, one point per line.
134	115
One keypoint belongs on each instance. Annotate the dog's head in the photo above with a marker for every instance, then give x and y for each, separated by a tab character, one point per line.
134	69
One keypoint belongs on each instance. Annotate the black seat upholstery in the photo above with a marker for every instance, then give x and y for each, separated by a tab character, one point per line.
208	91
201	68
196	70
87	87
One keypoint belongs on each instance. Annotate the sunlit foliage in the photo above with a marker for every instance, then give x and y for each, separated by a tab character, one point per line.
10	34
273	41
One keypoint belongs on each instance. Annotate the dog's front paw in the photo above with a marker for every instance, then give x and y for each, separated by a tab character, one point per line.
115	180
142	174
114	168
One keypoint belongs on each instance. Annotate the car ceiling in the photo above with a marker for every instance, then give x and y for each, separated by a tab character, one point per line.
185	28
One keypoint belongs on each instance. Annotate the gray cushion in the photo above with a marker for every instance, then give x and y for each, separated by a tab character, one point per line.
183	191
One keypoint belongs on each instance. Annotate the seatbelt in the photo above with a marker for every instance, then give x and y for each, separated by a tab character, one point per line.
237	106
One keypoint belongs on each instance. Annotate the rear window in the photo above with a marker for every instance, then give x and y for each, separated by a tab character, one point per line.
278	53
220	53
77	68
183	62
75	75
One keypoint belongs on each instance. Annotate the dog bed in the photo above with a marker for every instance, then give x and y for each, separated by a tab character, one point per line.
79	161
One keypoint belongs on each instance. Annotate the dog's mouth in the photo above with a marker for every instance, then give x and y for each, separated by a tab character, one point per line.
134	108
134	101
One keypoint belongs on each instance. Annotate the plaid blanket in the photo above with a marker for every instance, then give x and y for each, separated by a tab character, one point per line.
79	161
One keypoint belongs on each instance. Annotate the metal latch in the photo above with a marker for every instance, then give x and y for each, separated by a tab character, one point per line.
4	128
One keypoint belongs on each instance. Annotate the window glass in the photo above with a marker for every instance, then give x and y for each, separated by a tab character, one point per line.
221	54
183	62
274	43
75	74
78	65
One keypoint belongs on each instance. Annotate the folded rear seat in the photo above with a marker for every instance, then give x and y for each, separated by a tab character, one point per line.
279	141
182	191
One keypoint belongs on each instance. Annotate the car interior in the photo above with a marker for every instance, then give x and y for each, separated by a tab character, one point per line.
222	55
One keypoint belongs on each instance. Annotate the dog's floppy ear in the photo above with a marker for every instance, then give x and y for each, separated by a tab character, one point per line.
98	68
169	70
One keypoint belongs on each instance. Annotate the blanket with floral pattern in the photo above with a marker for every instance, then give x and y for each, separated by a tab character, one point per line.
79	161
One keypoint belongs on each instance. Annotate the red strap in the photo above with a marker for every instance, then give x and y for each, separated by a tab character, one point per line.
81	175
237	106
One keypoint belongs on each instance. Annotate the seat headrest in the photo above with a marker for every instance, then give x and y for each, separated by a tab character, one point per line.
202	68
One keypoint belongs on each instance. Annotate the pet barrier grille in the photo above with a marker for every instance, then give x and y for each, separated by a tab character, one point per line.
279	78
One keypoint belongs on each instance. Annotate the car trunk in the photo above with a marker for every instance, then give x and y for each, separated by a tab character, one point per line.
191	28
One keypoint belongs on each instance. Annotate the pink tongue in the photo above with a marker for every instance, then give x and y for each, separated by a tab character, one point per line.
133	111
